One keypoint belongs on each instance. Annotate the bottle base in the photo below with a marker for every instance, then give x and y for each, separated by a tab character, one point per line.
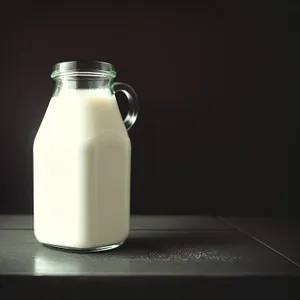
85	250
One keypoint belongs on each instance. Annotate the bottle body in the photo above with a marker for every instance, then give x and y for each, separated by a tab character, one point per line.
82	158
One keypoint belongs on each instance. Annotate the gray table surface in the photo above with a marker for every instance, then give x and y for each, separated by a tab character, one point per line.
280	235
158	245
221	258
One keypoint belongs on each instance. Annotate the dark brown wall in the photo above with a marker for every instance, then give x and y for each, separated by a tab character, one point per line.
216	132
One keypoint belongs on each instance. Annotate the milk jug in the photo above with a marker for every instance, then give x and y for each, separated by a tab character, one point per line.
81	157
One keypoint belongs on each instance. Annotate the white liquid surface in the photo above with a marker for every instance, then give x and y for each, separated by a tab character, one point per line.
82	172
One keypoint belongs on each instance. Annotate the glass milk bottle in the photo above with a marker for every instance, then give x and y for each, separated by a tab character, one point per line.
82	160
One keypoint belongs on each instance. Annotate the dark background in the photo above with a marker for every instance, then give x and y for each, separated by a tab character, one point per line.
217	130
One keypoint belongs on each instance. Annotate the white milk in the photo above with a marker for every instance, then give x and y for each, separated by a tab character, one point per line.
82	172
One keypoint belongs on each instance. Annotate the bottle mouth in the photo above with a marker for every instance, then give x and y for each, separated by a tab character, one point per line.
83	68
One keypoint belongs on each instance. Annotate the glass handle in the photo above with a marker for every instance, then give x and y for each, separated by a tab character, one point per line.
132	101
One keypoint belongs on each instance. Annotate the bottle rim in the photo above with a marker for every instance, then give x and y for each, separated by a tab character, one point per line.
83	68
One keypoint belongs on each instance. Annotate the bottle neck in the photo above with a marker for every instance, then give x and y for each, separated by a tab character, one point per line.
83	83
